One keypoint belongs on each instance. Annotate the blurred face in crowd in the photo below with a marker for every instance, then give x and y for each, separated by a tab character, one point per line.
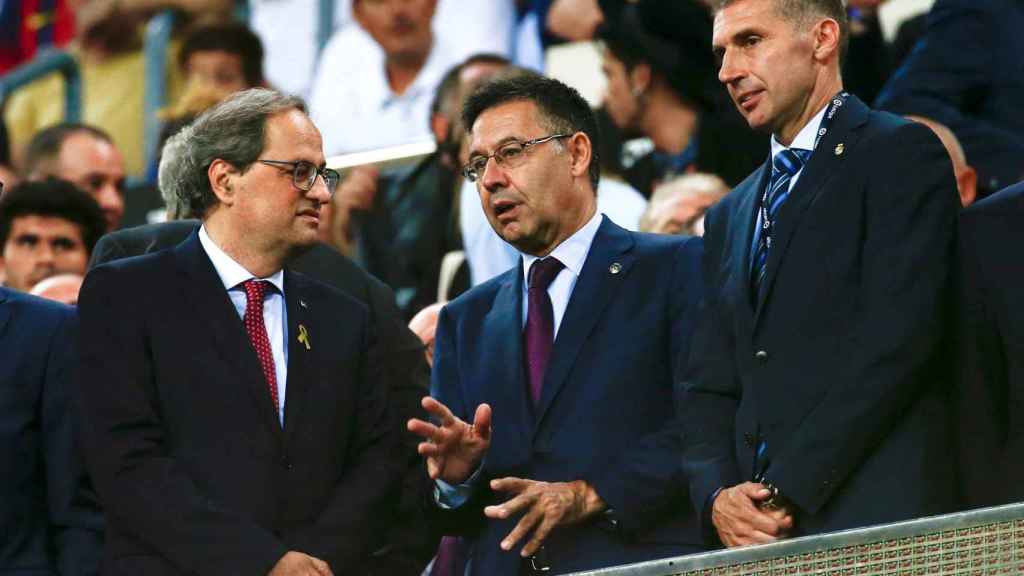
767	64
96	167
41	246
621	98
541	201
217	68
401	27
267	209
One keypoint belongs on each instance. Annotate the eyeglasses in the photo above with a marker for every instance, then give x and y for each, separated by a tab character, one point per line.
510	155
304	174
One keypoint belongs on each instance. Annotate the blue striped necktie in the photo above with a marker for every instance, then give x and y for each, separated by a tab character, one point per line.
785	165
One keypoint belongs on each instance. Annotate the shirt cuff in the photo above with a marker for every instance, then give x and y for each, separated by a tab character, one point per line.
450	496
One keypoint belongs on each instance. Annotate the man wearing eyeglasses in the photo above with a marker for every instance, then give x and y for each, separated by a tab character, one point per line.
552	445
233	421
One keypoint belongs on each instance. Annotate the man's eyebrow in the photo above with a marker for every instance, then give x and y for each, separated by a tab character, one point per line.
499	144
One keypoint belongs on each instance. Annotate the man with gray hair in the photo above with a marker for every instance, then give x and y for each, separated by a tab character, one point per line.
232	417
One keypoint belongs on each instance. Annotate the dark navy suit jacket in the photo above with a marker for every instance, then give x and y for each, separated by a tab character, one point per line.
49	524
839	363
967	73
607	408
194	469
991	342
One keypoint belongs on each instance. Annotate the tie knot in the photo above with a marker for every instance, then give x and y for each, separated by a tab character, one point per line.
790	160
543	272
255	290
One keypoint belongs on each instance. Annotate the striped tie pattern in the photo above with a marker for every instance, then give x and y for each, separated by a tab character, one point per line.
785	165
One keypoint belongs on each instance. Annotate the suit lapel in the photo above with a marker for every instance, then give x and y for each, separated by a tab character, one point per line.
607	265
826	161
203	288
503	327
302	334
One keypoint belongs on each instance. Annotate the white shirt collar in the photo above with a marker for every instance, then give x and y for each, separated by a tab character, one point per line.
433	69
805	138
232	273
572	252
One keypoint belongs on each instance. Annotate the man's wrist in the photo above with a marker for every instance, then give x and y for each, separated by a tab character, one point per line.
593	504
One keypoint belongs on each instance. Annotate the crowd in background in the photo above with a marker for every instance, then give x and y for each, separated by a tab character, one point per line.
406	237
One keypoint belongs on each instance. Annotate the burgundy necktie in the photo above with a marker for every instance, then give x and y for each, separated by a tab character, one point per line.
253	319
539	335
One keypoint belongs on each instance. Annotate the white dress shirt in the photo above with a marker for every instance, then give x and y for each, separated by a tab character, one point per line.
572	253
805	140
275	315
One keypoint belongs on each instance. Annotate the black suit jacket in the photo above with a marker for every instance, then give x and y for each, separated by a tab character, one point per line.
182	441
406	548
838	363
991	340
49	524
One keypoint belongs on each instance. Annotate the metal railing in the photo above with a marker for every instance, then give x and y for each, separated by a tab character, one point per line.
988	541
43	64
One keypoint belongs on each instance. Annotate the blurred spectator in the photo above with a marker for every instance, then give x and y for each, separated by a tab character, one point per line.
474	27
424	326
61	288
85	156
967	73
28	26
869	61
966	176
662	85
108	50
228	56
46	228
678	206
50	520
370	95
402	223
8	177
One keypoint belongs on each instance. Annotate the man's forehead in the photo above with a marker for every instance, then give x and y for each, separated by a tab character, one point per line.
515	120
46	226
292	132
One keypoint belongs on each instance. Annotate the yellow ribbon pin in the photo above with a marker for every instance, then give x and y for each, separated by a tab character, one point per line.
304	336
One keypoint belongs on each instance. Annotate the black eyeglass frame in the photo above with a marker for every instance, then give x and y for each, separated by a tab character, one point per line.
326	173
473	175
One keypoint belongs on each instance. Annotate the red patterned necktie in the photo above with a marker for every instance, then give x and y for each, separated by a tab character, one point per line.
253	320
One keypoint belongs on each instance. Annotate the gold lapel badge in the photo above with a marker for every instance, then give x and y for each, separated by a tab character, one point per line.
840	148
304	336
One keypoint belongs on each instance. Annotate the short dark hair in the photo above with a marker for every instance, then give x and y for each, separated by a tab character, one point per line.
230	37
44	148
54	198
561	108
800	11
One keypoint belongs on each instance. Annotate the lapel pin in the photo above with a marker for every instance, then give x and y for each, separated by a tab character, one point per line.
303	304
840	148
615	268
303	336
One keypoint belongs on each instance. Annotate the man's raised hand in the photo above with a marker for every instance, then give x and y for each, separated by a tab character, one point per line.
453	448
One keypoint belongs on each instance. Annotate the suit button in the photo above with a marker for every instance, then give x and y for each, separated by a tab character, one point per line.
761	356
286	464
748	439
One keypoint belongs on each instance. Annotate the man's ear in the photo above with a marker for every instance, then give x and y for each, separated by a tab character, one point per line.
826	39
639	79
581	152
223	181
